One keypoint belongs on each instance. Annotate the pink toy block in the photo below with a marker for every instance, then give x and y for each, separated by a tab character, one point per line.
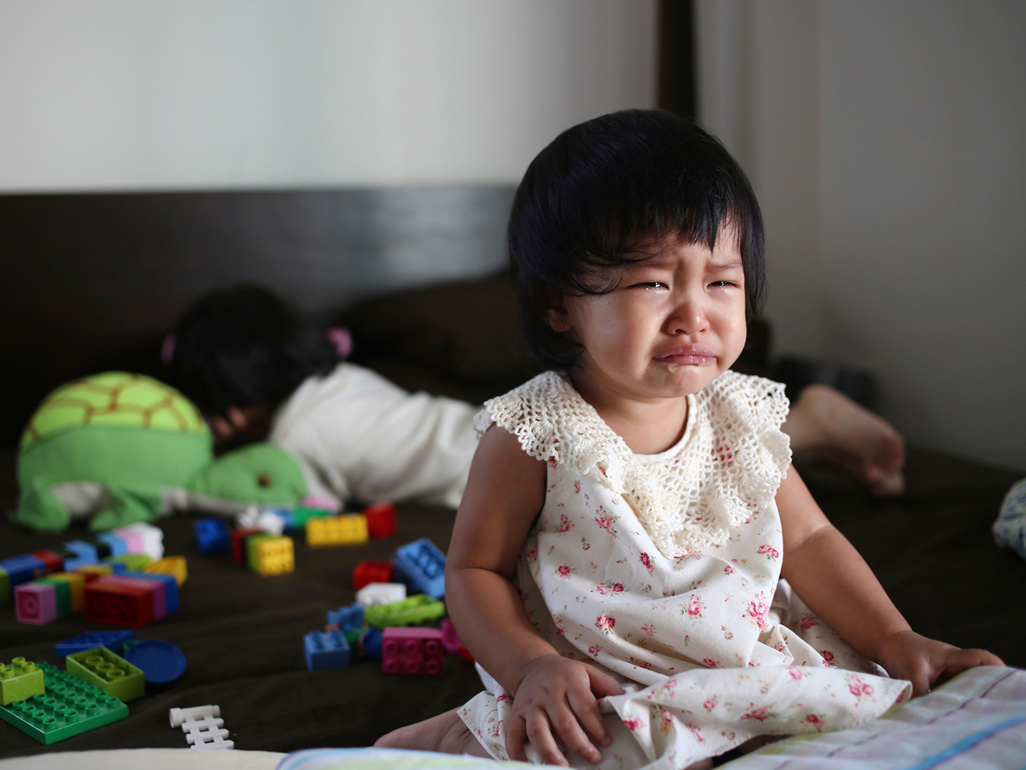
412	651
35	603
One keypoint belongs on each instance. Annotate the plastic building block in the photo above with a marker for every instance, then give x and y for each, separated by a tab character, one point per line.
121	605
380	519
102	547
203	727
452	643
239	538
81	553
213	536
129	561
326	649
116	545
92	572
161	662
5	587
424	566
142	538
372	572
22	569
20	680
381	593
416	609
35	603
270	554
346	618
179	716
264	519
348	529
154	587
412	651
52	561
301	515
62	592
176	566
112	640
168	587
76	587
108	672
69	707
370	644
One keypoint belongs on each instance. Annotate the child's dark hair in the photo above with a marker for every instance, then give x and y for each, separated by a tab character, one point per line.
606	188
245	346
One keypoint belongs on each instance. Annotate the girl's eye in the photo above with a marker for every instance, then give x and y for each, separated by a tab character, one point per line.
650	285
720	284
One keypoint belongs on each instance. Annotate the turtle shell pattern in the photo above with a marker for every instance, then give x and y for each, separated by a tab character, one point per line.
113	399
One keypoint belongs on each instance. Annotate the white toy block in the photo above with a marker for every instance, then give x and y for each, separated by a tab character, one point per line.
380	593
180	716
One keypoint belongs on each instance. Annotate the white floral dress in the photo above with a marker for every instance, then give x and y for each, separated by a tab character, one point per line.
664	571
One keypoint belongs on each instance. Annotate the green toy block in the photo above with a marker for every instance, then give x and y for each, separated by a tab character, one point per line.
409	612
301	515
108	672
69	707
135	562
20	680
62	590
5	587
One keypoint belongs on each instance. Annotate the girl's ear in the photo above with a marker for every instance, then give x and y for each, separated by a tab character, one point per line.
558	318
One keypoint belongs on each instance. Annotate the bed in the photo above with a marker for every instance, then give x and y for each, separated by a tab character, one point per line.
94	282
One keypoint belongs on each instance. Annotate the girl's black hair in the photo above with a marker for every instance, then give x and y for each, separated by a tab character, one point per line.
245	346
606	188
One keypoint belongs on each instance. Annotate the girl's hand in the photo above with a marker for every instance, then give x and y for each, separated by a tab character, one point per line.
559	697
924	662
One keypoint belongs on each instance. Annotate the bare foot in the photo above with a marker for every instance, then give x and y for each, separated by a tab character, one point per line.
445	733
827	426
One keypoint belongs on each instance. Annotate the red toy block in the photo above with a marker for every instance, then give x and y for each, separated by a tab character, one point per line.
239	542
412	651
154	587
53	562
368	572
121	605
380	519
36	603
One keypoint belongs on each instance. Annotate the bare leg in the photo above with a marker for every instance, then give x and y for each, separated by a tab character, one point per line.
827	426
445	733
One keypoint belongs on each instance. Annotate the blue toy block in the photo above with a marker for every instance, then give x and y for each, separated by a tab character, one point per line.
22	569
82	554
326	649
371	643
69	707
170	585
113	640
117	545
213	535
346	618
424	566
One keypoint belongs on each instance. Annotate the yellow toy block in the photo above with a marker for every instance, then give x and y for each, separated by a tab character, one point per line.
170	565
77	583
348	529
272	555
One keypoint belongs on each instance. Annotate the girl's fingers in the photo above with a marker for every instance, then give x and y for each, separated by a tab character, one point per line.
539	733
590	718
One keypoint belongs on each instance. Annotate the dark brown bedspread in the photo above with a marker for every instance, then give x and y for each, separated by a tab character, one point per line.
242	634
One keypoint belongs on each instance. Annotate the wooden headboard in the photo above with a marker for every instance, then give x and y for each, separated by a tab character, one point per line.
95	281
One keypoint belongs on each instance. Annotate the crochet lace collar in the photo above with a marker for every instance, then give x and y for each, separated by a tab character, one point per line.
728	464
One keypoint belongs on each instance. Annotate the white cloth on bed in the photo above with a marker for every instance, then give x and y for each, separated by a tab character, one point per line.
361	436
710	645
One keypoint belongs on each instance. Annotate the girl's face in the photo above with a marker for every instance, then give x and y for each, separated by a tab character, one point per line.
674	323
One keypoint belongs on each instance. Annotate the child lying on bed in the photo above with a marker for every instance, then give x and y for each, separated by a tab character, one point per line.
260	369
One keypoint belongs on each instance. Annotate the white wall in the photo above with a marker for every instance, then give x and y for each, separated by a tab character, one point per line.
887	144
123	94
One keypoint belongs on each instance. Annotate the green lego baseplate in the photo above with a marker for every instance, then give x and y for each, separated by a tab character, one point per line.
69	707
108	672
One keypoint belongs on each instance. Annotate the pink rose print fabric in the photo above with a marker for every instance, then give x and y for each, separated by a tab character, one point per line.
712	648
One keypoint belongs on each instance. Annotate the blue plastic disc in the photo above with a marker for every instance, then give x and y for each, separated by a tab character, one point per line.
161	662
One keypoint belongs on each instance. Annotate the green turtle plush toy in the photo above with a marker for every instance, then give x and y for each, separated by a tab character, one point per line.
118	448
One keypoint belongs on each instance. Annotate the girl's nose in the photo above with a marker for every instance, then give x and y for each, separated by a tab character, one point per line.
688	315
